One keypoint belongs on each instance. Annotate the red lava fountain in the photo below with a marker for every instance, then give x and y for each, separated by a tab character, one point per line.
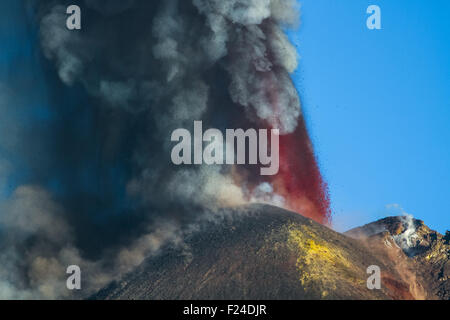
299	179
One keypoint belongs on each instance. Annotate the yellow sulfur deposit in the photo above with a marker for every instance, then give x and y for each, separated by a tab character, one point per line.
319	262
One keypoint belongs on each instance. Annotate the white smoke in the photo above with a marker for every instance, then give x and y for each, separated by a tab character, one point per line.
264	193
406	239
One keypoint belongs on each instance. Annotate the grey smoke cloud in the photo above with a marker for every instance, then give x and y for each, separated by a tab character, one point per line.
38	245
151	67
36	270
113	7
164	70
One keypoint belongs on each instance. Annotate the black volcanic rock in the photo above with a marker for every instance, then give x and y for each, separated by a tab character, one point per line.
264	252
447	237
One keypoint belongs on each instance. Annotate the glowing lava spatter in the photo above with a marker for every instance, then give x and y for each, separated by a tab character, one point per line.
299	179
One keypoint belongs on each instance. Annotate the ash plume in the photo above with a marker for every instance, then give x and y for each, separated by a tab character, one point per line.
135	72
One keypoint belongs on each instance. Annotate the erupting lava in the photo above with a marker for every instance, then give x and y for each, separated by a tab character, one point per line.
299	179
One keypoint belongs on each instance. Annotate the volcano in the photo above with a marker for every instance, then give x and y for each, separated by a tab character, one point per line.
264	252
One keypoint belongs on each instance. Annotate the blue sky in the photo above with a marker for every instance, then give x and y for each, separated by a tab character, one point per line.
378	106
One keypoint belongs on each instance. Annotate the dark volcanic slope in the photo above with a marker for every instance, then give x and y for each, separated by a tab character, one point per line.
263	252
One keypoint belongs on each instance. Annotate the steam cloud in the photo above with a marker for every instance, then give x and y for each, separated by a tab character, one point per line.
406	240
146	68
